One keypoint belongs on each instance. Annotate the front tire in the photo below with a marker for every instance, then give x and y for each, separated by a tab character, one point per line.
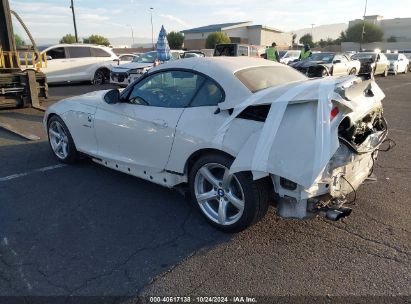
60	140
353	71
385	74
395	71
99	77
406	69
229	202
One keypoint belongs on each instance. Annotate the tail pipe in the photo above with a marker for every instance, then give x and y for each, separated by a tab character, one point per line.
336	214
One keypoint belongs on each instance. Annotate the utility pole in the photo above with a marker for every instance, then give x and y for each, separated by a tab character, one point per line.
363	25
74	20
132	33
152	29
312	30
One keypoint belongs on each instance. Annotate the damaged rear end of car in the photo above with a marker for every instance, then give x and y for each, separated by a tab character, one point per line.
318	143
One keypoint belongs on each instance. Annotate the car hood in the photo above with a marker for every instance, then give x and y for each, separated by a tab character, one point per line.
306	64
83	103
132	65
298	137
393	61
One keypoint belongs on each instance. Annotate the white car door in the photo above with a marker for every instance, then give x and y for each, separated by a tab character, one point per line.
58	65
140	130
82	63
402	63
340	65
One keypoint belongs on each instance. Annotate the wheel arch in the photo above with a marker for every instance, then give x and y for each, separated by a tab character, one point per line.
104	69
53	114
198	154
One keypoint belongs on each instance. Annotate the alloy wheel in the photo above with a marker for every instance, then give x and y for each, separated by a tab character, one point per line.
219	194
58	140
98	78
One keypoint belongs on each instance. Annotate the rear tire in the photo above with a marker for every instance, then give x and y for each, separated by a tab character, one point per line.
60	141
385	74
230	203
406	69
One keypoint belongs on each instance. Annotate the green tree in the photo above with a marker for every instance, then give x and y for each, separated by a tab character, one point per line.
372	32
392	39
293	38
216	38
322	43
307	39
19	41
175	40
97	39
69	38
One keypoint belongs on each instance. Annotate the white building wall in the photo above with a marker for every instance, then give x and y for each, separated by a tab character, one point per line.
399	28
190	36
241	32
254	36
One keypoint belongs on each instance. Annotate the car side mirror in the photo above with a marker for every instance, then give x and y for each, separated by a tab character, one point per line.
112	96
48	57
337	61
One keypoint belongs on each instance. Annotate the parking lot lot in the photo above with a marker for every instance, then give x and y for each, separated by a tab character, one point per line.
87	230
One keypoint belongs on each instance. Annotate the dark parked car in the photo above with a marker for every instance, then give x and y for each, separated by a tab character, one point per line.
372	63
325	64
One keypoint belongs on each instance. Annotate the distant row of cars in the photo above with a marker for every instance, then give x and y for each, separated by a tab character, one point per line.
99	64
362	63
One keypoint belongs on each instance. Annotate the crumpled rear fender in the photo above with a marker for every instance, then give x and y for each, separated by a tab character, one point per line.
298	138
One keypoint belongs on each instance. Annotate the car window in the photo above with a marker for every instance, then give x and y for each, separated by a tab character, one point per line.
242	50
175	55
382	57
170	89
263	77
79	52
392	56
209	95
343	58
97	52
57	53
126	58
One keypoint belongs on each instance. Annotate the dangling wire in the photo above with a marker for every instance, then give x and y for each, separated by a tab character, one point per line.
355	192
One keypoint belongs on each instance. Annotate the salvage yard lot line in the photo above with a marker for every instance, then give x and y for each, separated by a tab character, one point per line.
17	175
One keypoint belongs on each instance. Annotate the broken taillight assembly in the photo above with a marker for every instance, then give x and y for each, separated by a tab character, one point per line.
334	113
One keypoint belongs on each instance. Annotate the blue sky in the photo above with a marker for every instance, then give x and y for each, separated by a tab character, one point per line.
112	18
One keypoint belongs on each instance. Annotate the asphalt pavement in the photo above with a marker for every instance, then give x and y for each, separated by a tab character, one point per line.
87	230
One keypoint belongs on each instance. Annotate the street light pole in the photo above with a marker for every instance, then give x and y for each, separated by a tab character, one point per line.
132	33
363	25
152	29
312	30
74	20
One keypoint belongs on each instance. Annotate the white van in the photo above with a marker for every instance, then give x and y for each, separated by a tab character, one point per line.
78	62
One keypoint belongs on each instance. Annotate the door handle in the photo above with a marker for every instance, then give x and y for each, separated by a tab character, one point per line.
160	123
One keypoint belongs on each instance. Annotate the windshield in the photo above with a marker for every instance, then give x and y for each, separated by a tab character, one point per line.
282	53
326	57
260	78
392	56
41	48
146	57
364	56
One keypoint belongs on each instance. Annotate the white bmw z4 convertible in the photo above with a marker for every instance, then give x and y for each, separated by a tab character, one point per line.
240	132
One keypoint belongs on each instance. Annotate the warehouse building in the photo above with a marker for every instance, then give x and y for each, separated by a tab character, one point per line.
398	27
239	32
